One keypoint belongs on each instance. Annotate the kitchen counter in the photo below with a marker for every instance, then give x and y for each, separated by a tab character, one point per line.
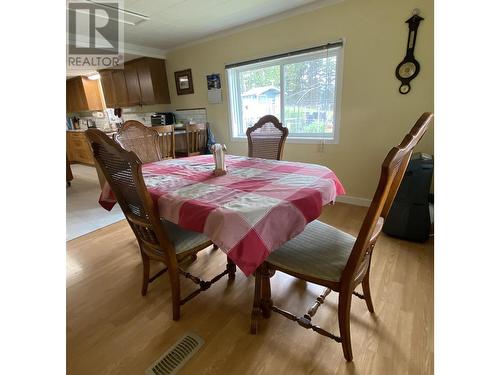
107	131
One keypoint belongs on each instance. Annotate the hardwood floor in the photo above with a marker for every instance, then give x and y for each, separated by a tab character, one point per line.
112	329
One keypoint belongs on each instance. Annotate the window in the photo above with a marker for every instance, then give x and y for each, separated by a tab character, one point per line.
300	89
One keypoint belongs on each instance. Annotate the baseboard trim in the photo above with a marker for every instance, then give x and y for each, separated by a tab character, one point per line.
357	201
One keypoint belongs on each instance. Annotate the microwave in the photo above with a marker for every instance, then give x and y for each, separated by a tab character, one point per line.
163	118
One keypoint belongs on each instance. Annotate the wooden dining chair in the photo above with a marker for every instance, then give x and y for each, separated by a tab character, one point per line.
166	140
327	256
142	140
158	239
196	140
266	139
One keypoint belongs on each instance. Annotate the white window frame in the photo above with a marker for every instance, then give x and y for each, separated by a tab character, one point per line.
234	96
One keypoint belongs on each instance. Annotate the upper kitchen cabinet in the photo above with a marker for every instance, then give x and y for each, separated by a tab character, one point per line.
82	94
152	75
133	87
120	89
108	88
114	88
142	82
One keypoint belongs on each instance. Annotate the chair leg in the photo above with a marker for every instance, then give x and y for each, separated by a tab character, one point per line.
145	273
176	292
231	268
366	292
345	323
256	310
267	302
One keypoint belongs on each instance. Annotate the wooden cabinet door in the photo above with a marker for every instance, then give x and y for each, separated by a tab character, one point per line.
75	95
133	88
158	73
69	148
108	88
92	94
120	87
145	82
82	94
78	148
80	97
69	98
152	80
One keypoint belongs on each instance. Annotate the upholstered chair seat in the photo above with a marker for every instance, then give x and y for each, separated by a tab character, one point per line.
184	240
320	251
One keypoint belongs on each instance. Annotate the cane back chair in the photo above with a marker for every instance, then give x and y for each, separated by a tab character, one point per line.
266	139
142	140
158	240
327	256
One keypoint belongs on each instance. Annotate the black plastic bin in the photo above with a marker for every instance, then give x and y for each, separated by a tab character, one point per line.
409	217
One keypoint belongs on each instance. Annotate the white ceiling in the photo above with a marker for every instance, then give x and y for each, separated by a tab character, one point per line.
174	23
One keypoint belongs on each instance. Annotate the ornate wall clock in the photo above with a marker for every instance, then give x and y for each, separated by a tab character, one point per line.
409	67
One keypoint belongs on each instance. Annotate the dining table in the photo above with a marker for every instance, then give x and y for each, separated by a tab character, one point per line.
249	212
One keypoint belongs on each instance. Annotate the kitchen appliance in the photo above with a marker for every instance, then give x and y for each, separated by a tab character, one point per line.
163	118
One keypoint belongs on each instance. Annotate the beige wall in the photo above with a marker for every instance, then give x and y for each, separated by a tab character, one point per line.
374	116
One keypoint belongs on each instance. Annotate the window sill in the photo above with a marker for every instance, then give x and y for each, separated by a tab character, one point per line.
316	141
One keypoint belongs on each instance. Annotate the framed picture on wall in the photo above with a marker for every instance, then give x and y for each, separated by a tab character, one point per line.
184	82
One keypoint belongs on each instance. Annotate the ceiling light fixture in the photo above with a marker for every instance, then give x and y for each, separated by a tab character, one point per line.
81	11
94	76
142	17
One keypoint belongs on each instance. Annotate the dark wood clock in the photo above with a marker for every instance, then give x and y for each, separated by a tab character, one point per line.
409	67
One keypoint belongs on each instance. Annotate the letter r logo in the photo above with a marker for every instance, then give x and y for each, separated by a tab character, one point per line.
93	29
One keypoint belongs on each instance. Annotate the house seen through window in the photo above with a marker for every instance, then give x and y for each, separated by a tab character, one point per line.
302	90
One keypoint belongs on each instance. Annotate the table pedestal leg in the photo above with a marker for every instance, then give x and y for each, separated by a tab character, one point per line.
267	302
256	310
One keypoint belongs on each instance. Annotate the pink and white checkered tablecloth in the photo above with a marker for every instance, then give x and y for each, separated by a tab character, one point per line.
255	208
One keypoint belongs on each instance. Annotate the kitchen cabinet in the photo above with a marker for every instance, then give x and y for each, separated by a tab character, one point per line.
108	88
143	81
78	148
83	94
120	88
133	88
146	81
74	96
152	75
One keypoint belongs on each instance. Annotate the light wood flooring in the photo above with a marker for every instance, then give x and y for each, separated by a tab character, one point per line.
112	329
